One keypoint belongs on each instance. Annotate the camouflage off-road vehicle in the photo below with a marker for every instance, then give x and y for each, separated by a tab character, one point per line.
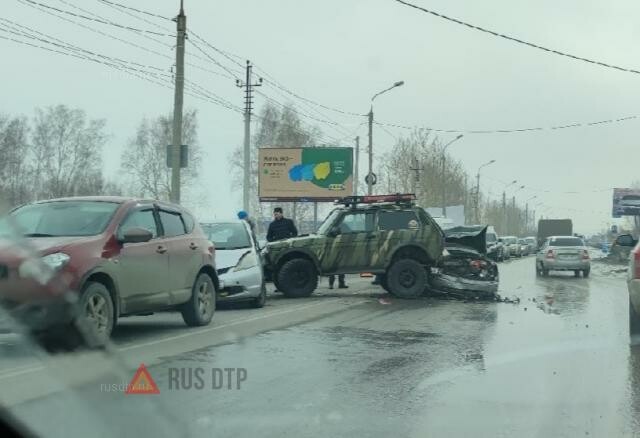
384	235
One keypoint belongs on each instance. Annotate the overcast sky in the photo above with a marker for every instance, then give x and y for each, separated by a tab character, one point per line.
339	53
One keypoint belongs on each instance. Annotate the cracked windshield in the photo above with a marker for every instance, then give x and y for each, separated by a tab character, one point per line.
412	218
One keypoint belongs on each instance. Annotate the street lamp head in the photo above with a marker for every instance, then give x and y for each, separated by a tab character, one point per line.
492	161
459	137
399	84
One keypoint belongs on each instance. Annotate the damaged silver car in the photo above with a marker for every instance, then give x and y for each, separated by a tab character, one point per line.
466	270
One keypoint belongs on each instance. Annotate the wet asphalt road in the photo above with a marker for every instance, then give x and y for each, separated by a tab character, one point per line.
344	363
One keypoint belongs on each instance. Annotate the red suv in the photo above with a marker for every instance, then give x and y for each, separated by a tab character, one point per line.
70	267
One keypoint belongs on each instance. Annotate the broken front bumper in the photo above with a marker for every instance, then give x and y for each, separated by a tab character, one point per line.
446	283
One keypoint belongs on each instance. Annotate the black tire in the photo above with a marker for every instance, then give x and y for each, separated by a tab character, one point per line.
576	273
297	278
586	272
407	279
634	320
96	316
200	308
261	299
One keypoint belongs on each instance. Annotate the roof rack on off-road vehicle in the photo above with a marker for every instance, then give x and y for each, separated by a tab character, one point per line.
398	198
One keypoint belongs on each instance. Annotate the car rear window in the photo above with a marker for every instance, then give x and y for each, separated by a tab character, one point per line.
566	241
491	237
172	224
397	220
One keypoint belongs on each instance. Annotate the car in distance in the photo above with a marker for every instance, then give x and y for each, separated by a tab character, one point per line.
524	247
621	247
563	253
511	242
387	235
633	284
532	244
495	248
73	266
238	262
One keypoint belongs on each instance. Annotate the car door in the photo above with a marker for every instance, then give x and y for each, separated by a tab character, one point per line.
349	250
185	254
142	268
394	226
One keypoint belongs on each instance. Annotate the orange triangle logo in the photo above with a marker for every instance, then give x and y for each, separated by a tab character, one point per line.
142	382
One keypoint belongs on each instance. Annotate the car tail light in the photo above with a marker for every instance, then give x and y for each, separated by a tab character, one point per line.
478	264
550	254
636	262
585	254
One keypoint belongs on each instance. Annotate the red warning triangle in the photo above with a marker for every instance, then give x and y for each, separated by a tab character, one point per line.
142	382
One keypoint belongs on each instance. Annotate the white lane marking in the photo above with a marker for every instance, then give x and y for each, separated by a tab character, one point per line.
12	372
229	324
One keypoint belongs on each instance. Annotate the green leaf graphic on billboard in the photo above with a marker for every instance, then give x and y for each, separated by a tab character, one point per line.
330	167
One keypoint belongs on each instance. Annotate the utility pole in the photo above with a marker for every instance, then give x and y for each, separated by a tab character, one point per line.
416	177
356	179
248	102
477	197
178	100
504	212
370	173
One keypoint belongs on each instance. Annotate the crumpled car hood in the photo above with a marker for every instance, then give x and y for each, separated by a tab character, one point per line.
474	237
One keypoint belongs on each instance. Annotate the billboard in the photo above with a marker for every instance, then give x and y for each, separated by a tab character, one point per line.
626	202
305	174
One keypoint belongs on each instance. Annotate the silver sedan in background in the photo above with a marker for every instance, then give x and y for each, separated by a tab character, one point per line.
563	253
238	262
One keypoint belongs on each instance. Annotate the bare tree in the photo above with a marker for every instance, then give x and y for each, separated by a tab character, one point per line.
276	127
144	161
15	170
66	150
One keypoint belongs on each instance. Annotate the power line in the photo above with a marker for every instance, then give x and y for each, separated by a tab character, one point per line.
115	63
146	49
517	40
97	20
508	131
222	66
140	11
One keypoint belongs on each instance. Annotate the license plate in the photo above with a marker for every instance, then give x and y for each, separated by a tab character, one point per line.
567	256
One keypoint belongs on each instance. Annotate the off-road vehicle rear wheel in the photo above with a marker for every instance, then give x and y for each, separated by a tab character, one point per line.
407	278
297	278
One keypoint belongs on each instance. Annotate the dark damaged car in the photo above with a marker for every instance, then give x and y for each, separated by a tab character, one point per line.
466	270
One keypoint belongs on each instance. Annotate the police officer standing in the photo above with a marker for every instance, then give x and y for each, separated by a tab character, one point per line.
281	228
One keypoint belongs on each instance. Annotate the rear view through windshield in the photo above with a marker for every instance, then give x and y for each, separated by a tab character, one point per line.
64	218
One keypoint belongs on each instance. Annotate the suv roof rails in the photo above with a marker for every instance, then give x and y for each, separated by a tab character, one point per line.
398	198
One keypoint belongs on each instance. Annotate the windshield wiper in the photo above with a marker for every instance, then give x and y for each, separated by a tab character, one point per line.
39	235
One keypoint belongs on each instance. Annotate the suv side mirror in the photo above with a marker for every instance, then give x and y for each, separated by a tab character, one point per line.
136	235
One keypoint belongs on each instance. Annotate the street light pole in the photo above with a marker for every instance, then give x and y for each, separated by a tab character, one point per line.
526	212
478	188
504	204
370	116
444	186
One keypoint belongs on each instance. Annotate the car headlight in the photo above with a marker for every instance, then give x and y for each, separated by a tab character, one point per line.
43	269
55	261
248	261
